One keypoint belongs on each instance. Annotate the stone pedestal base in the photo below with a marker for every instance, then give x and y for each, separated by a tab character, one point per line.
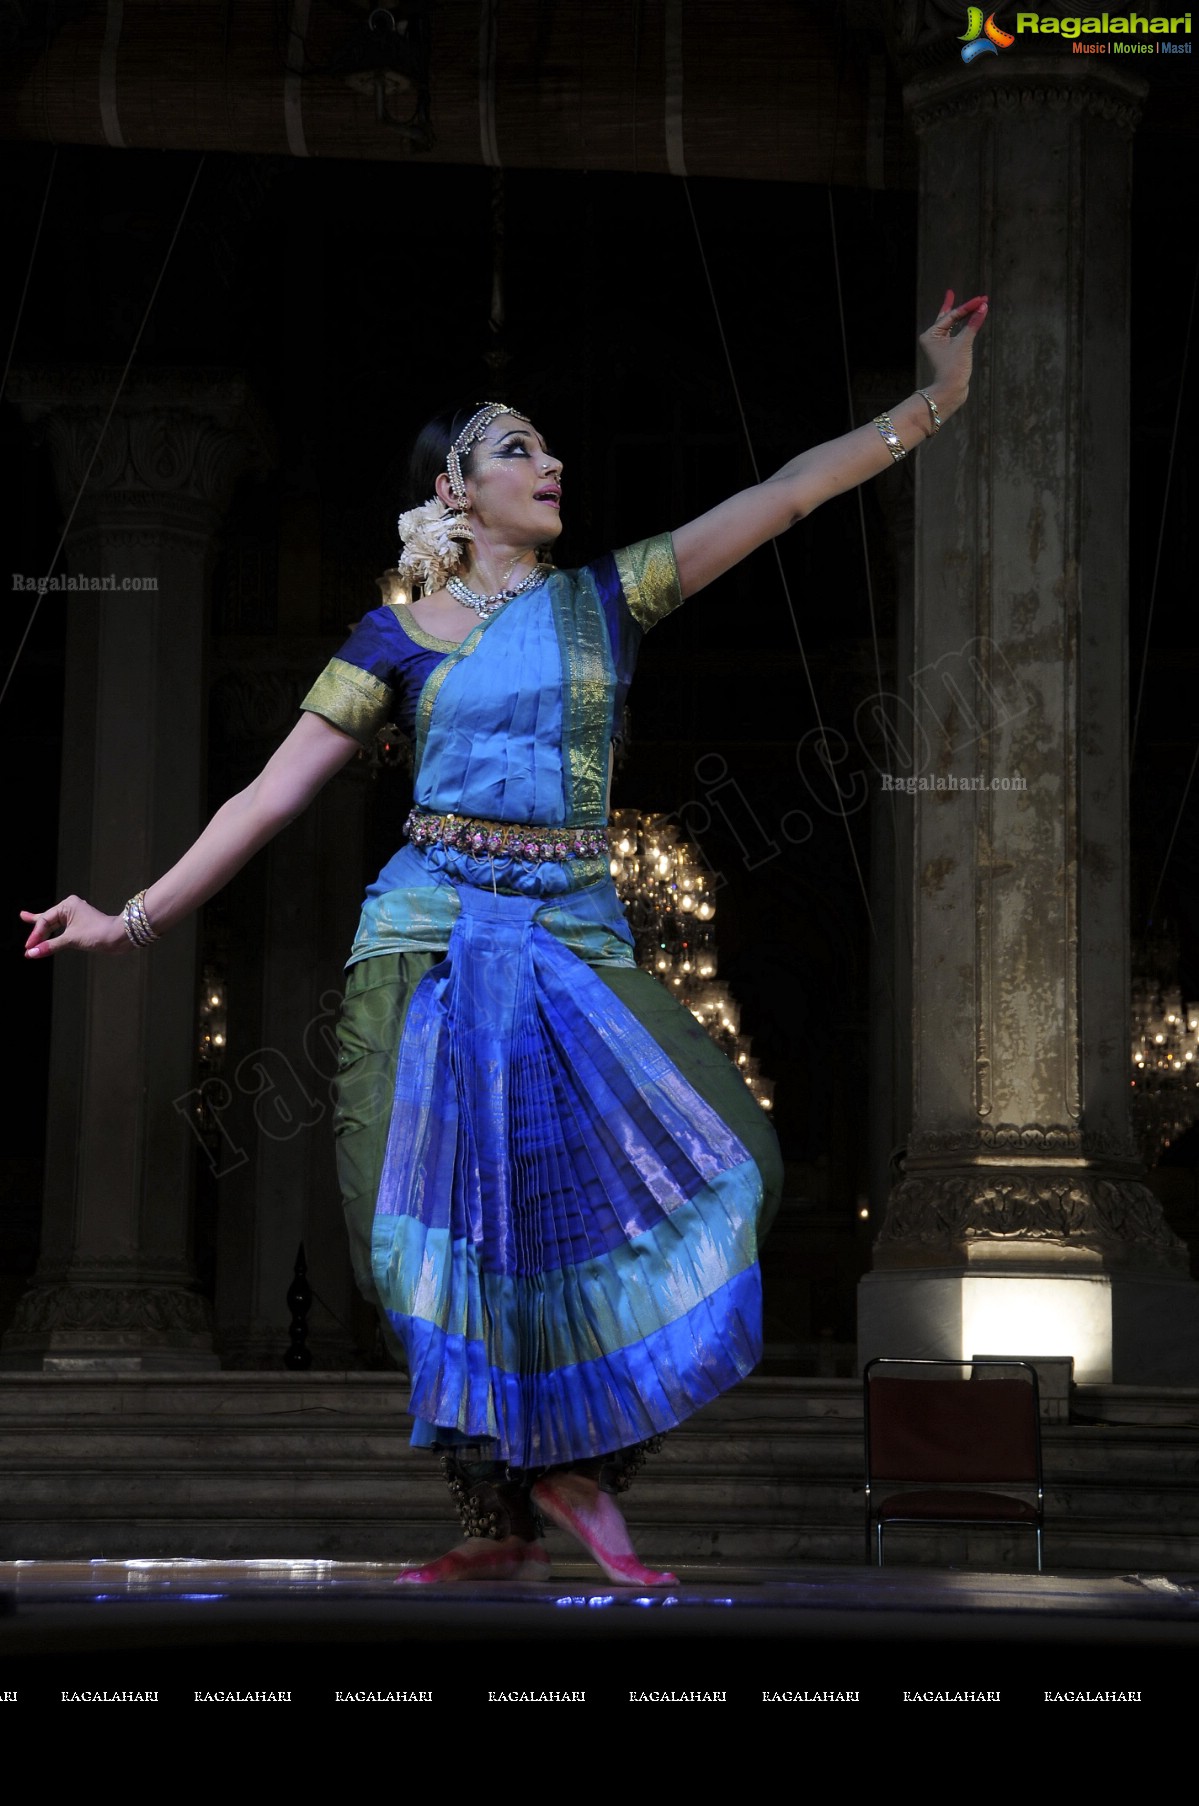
145	1325
1122	1330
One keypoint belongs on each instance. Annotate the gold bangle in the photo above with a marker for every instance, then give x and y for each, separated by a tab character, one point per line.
938	423
891	439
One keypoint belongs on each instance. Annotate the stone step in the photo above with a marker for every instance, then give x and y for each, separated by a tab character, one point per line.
286	1467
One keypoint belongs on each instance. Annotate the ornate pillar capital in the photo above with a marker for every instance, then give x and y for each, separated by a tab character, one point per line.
1066	1213
925	35
1022	85
168	458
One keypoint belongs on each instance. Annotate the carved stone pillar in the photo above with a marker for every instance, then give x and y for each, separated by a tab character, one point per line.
1022	1225
115	1285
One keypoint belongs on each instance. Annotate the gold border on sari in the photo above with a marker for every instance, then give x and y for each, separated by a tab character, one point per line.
427	699
649	578
350	699
403	614
588	681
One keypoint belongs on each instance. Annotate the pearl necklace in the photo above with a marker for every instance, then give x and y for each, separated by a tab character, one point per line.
485	606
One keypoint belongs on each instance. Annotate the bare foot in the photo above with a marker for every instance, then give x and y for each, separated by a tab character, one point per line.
575	1504
481	1559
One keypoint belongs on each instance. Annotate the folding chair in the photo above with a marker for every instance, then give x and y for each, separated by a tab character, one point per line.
952	1442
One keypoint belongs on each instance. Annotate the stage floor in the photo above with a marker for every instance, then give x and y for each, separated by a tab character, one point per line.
275	1633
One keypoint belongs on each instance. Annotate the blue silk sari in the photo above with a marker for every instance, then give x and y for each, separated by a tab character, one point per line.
565	1231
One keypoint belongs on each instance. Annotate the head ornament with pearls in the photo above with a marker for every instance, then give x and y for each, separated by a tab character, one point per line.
433	535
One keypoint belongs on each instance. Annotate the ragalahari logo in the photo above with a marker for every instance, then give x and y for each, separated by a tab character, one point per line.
982	37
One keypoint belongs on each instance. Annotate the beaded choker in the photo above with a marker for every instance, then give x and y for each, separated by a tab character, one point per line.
484	606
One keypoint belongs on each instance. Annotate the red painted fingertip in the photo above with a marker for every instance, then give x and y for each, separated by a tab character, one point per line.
948	301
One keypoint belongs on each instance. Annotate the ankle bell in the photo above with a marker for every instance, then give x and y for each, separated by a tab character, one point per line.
489	1502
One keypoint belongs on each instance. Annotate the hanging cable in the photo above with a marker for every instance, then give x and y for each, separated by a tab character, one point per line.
898	891
1161	534
786	588
859	491
637	5
1186	791
16	327
892	812
103	429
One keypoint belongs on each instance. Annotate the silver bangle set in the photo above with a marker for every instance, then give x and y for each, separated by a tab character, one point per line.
932	408
890	437
137	922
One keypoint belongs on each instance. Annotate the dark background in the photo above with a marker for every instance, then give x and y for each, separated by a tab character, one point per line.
356	299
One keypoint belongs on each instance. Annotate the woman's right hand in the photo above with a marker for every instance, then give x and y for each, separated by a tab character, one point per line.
949	347
307	759
73	923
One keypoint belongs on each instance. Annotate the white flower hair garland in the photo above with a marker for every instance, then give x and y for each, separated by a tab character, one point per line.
433	537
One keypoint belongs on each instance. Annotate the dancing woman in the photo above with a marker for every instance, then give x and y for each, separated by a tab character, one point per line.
554	1183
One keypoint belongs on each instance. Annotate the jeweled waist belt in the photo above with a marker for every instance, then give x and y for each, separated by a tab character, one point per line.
504	839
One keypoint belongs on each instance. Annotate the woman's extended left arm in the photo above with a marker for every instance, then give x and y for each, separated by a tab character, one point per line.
713	543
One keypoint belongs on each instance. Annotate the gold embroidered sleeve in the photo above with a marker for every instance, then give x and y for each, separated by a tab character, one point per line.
351	699
649	577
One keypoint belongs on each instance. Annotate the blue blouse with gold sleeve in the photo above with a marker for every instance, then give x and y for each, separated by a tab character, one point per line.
511	726
377	677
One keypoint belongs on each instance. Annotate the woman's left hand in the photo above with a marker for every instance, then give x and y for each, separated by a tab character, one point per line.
949	346
73	923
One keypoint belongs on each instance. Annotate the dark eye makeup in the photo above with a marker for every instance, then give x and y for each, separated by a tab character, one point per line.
520	446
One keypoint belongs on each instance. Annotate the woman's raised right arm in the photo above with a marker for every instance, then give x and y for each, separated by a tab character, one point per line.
707	547
287	783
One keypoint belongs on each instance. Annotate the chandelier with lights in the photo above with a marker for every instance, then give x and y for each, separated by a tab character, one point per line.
213	1027
669	902
1165	1065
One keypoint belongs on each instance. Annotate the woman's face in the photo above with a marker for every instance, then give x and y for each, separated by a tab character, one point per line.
514	483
